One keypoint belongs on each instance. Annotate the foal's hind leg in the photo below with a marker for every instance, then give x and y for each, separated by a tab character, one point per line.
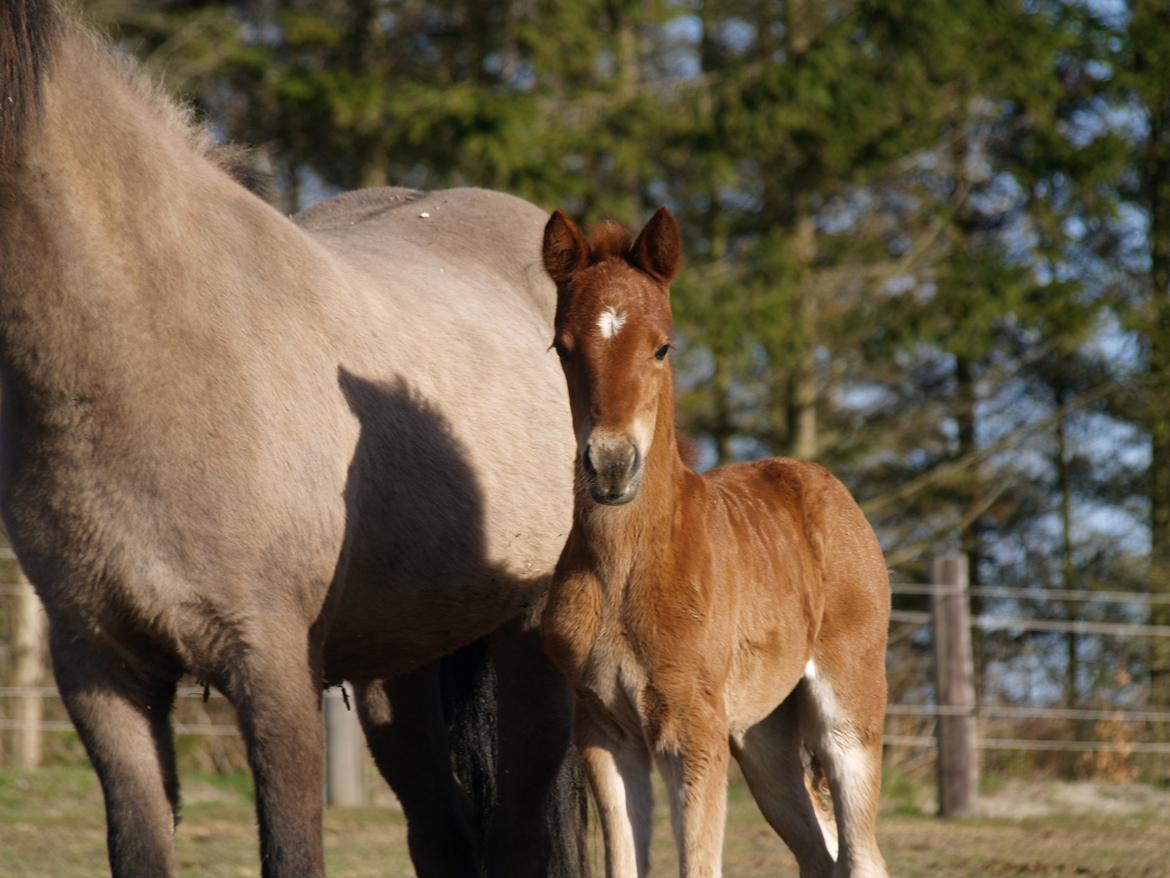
277	697
123	718
407	735
846	735
769	755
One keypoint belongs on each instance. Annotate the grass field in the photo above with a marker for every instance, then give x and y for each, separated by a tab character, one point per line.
51	826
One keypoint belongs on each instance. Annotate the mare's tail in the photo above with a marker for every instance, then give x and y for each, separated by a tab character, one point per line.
468	684
471	704
566	820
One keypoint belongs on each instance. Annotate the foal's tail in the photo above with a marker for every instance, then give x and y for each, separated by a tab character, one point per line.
816	783
471	683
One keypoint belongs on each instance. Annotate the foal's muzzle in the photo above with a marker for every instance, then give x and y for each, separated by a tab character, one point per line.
614	467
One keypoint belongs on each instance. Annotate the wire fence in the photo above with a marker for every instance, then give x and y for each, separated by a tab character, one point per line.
217	722
1103	737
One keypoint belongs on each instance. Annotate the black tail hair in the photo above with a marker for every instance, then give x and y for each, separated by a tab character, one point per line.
471	706
566	822
468	683
27	28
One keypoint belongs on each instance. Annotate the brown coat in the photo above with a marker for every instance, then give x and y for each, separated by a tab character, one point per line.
746	606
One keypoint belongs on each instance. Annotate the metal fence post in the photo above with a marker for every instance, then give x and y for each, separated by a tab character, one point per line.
344	768
958	762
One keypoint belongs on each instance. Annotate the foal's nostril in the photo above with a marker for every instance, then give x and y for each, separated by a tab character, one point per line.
587	460
611	461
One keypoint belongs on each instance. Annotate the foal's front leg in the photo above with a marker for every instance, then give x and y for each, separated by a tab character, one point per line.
696	778
619	776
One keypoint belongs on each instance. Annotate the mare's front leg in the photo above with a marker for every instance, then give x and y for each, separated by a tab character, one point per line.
275	687
695	771
122	715
618	768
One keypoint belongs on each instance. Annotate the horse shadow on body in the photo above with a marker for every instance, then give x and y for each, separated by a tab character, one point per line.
476	744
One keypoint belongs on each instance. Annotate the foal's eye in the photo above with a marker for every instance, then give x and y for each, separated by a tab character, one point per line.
661	353
562	351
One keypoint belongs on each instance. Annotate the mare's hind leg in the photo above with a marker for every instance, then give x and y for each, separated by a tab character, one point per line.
769	755
123	718
277	695
533	830
407	735
842	705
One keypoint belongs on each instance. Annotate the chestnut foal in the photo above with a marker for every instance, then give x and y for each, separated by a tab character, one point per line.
747	606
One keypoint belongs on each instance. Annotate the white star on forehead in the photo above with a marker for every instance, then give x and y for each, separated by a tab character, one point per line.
610	322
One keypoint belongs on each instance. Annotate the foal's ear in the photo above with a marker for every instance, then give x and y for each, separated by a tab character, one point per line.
565	248
658	250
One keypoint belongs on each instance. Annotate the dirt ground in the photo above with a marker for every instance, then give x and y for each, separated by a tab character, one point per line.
51	826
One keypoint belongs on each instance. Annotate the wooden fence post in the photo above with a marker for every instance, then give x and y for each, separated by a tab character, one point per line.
954	666
28	669
344	768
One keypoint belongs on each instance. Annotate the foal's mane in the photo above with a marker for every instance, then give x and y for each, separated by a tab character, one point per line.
609	240
32	32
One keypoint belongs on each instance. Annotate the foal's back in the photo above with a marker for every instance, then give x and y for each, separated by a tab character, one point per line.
797	570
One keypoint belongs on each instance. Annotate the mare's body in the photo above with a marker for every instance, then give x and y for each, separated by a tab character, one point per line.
698	616
274	454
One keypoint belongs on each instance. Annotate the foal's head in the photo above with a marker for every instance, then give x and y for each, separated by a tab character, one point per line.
612	334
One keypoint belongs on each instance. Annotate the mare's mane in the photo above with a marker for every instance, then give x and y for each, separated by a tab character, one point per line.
28	29
31	33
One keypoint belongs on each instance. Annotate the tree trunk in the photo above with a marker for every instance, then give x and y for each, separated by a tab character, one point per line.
802	391
1157	397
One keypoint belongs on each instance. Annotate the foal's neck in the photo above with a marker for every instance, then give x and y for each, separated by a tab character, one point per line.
621	538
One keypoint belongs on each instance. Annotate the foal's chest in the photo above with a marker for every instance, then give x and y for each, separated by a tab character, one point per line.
584	632
614	679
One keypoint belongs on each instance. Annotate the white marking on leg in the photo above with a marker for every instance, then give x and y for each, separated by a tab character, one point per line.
610	322
831	733
810	670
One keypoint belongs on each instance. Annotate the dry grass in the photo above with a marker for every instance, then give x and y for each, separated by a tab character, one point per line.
51	826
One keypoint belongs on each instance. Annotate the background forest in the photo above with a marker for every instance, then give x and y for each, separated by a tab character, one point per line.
928	241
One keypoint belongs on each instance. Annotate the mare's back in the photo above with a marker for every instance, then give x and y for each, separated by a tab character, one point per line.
454	314
443	246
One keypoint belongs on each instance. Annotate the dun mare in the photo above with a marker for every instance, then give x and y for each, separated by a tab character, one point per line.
276	454
746	606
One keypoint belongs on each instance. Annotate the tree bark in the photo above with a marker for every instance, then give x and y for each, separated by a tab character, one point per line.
1157	396
802	390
